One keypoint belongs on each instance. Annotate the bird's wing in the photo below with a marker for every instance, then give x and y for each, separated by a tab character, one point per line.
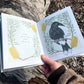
64	29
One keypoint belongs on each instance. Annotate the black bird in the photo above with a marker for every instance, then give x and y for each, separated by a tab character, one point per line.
57	34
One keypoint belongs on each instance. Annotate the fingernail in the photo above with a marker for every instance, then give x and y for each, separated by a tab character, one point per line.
42	55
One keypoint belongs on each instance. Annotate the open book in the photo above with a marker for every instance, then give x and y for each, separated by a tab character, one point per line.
23	41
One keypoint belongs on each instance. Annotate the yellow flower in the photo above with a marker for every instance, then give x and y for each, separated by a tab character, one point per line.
74	41
43	26
34	28
14	53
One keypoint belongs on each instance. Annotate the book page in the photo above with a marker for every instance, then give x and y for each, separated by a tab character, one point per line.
60	35
21	43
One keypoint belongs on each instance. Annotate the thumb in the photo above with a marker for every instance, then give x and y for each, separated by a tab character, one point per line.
47	60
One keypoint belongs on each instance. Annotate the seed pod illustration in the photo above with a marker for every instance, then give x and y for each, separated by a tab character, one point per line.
34	28
74	41
14	53
43	26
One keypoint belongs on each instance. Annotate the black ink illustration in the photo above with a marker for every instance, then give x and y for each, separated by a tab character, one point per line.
57	34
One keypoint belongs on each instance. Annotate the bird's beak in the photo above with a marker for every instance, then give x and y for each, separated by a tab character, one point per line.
61	24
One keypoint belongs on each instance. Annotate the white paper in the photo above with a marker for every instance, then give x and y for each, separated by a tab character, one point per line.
69	29
21	43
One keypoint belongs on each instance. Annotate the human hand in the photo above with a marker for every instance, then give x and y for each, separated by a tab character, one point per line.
49	67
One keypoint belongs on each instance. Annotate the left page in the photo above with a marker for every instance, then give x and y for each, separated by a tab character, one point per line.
21	43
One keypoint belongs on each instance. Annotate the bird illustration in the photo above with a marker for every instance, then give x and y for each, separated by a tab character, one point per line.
57	34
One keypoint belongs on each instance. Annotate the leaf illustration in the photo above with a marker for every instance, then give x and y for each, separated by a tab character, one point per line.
34	28
43	26
14	53
74	41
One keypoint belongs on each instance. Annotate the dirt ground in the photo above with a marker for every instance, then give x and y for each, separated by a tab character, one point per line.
76	63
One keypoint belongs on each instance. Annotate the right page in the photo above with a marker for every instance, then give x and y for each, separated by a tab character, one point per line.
60	35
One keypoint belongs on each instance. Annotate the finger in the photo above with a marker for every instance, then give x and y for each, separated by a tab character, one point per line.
42	68
47	60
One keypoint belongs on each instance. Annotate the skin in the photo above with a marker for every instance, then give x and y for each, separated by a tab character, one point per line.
49	67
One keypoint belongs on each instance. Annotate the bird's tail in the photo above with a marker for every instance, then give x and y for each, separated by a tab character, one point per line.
66	47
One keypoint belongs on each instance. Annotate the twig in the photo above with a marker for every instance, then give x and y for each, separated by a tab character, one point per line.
26	58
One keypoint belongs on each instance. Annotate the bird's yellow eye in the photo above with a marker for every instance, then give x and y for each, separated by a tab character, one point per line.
56	23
